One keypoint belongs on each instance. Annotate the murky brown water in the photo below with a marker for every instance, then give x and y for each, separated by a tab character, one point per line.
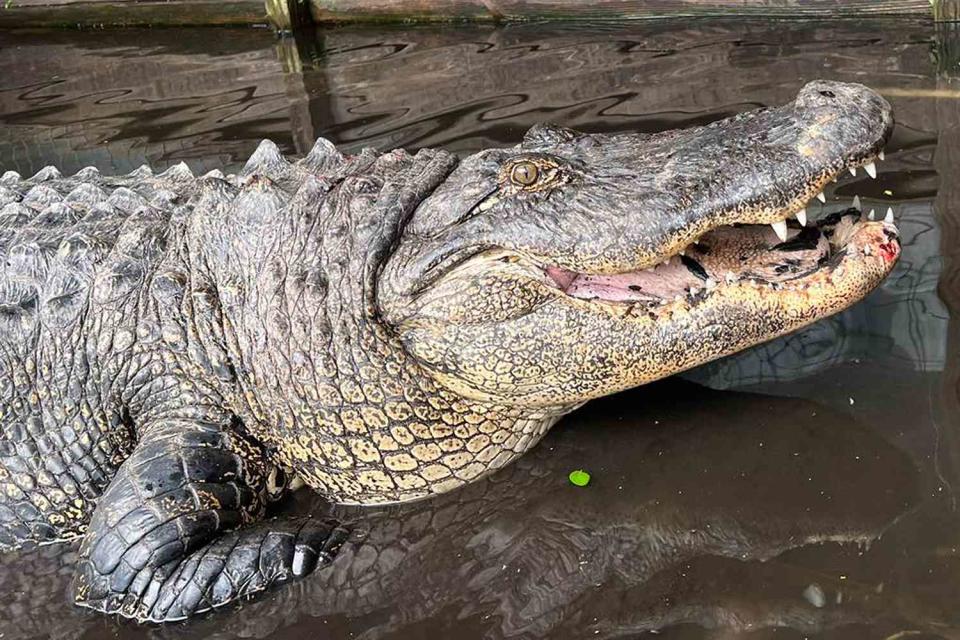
804	489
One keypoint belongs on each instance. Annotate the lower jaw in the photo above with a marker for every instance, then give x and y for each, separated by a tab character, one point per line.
669	337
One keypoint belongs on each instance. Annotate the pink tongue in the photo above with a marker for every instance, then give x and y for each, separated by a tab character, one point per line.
561	276
666	281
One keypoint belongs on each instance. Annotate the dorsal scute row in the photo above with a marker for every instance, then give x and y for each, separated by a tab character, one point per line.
62	237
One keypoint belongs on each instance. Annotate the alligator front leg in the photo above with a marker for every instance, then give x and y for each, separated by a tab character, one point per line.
180	530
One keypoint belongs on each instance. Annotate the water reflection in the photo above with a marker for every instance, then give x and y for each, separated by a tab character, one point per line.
712	513
688	502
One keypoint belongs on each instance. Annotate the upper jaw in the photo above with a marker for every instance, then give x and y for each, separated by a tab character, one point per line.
813	259
784	222
761	167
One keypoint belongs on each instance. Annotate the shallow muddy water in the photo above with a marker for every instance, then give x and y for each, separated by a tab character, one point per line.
807	488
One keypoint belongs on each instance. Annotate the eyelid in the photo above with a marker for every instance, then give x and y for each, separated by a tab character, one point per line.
488	200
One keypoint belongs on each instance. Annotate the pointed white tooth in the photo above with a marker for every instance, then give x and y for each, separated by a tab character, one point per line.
882	155
780	228
802	217
697	241
683	252
871	170
856	202
889	216
872	215
853	170
822	198
710	283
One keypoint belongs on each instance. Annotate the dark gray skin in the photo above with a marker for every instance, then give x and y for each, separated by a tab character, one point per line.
385	327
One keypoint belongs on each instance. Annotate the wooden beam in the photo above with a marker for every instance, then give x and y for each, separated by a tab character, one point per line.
946	10
129	13
496	10
293	14
946	160
289	15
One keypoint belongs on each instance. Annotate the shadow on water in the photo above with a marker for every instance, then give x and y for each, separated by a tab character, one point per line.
805	488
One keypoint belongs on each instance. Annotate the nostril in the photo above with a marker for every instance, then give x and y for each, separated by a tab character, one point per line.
828	94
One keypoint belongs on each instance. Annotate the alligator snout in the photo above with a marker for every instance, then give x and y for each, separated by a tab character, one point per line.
841	96
842	119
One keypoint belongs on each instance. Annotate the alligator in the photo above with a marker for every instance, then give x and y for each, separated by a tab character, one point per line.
180	352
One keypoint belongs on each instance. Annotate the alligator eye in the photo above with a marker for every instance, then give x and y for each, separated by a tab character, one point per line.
828	94
524	173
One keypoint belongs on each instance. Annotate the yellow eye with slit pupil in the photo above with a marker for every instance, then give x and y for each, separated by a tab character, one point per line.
524	173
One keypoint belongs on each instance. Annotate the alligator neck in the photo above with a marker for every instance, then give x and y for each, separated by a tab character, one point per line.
317	377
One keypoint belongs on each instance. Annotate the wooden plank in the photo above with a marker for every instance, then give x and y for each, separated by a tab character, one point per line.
126	13
130	13
946	10
494	10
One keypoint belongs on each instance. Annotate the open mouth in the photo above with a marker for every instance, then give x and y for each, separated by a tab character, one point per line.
809	256
791	254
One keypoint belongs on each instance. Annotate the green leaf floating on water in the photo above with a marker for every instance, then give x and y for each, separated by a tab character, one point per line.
579	477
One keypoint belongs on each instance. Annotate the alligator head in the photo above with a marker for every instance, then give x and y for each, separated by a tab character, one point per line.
576	265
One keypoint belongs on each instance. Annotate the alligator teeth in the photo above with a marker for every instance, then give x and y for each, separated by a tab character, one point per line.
780	228
856	202
822	198
889	216
872	215
881	155
802	217
853	170
871	170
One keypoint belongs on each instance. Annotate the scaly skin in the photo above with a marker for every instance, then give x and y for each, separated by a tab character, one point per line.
385	327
